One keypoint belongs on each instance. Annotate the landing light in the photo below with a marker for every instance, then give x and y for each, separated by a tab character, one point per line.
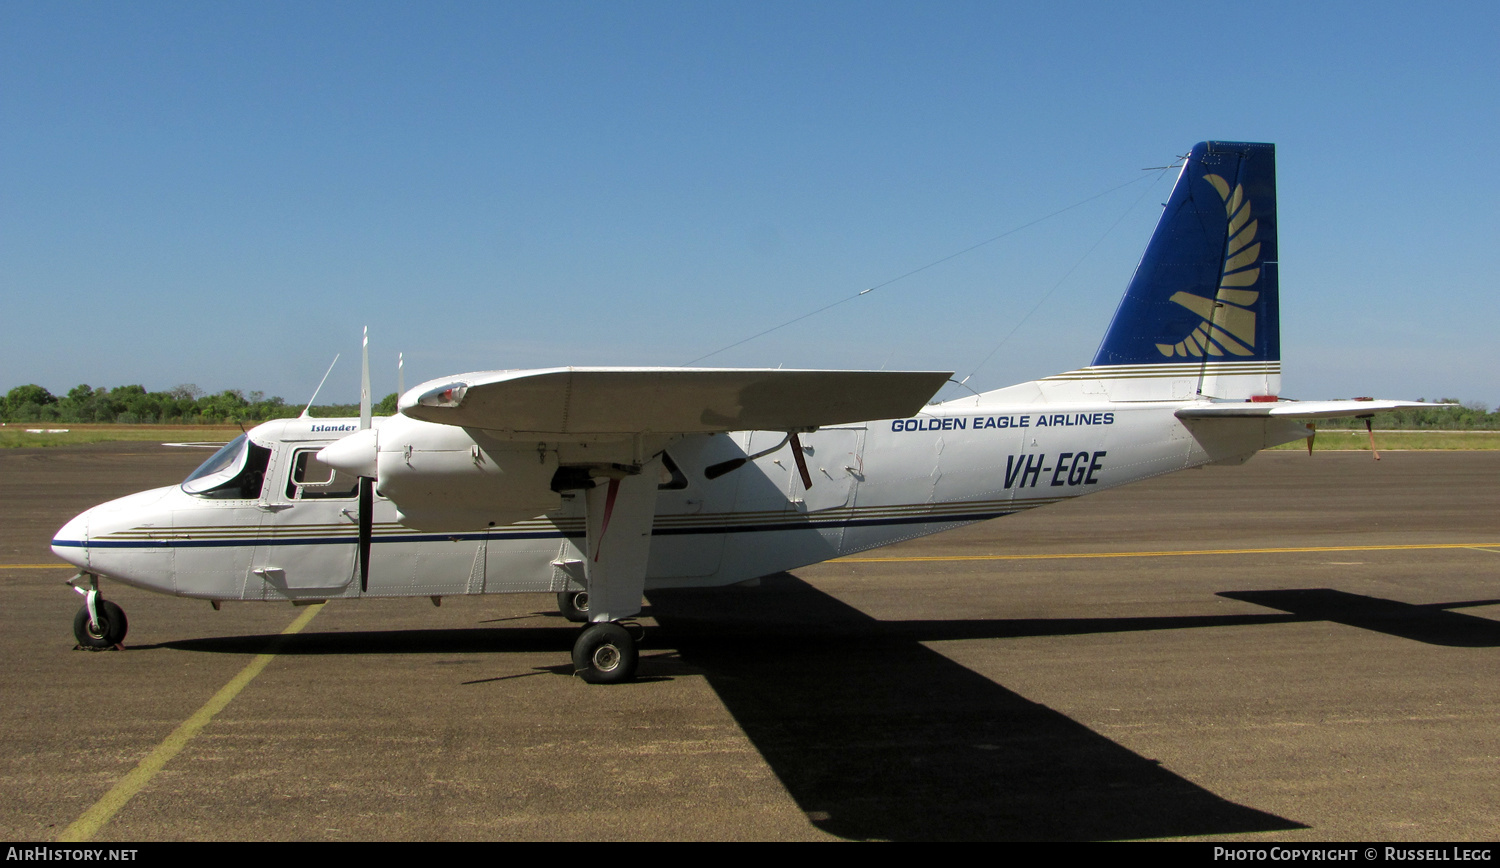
449	395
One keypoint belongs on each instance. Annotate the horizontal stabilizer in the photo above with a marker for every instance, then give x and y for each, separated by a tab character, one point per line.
595	401
1297	409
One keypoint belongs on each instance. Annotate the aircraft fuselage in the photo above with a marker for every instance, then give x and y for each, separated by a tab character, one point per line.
872	484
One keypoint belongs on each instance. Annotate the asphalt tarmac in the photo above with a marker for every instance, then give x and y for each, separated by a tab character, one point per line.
1043	676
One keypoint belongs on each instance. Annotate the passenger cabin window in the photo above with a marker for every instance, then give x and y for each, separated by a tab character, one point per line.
312	479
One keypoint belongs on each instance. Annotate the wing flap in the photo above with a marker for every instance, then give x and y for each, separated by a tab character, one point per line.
605	401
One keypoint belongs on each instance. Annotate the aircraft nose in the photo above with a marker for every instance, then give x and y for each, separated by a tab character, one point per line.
71	542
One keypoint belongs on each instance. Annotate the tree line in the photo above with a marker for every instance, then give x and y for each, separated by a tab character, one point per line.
1472	416
185	404
189	405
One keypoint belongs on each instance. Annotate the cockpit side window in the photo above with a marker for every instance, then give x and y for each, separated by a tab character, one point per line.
311	479
220	466
235	472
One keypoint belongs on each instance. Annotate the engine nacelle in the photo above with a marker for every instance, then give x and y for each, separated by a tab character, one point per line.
442	477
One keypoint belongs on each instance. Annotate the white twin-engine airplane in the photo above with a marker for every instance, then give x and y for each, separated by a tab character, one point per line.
598	484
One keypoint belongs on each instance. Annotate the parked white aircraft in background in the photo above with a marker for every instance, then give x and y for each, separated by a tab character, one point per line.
597	484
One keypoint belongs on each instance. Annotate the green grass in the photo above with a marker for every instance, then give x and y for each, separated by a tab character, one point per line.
1359	441
15	435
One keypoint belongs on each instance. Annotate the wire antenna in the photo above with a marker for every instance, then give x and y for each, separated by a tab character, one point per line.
320	387
1048	294
936	262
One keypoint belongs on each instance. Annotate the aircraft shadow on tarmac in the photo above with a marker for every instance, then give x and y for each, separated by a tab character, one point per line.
877	736
1431	623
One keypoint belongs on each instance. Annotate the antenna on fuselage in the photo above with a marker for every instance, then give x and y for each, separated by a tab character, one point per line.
320	387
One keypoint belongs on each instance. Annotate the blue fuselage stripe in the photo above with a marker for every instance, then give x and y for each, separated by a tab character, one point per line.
525	535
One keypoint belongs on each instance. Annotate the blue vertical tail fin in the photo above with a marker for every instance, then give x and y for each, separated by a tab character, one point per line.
1205	291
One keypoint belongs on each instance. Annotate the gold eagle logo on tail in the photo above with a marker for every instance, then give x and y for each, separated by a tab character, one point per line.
1228	323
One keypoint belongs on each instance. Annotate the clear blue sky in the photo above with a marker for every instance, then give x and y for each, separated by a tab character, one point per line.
225	193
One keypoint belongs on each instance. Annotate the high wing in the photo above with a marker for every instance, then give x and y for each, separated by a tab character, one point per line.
565	402
1297	409
489	448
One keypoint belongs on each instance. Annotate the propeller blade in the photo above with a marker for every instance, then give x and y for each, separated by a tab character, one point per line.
366	529
1312	433
366	484
1371	429
364	383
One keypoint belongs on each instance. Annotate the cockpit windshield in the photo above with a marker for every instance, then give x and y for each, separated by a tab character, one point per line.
234	472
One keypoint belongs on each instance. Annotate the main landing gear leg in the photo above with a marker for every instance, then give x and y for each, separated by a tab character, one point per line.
619	516
99	624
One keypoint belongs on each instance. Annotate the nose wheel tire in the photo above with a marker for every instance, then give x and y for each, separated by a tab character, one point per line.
605	653
574	605
109	632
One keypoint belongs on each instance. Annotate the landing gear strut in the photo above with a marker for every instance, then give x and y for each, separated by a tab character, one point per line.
99	624
605	653
574	605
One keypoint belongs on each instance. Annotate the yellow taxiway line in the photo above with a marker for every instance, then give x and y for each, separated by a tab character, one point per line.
86	826
1165	554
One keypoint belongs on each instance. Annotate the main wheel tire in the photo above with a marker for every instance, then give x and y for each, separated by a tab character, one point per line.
110	631
605	653
574	605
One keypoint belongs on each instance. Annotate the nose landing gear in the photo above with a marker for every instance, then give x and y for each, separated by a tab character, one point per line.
99	624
